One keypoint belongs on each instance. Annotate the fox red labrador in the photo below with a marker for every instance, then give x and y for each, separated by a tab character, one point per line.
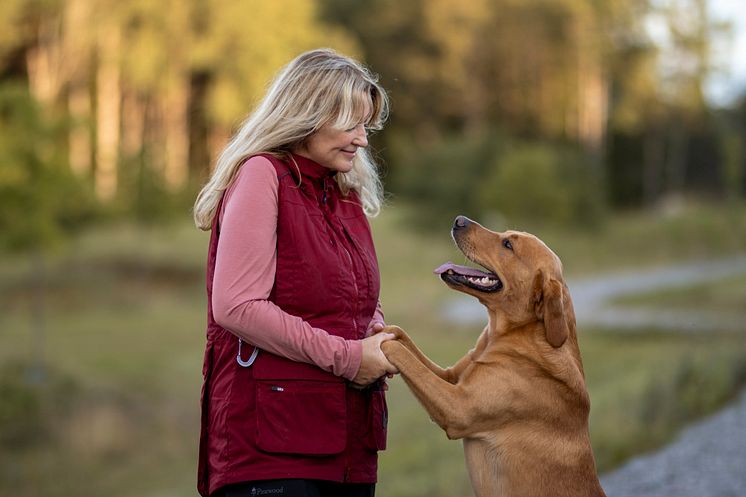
518	399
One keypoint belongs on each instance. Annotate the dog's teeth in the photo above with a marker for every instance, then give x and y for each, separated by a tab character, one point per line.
483	281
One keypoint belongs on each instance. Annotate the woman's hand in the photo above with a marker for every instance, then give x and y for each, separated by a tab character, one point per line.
374	364
375	327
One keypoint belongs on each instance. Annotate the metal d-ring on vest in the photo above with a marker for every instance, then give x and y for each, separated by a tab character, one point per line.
251	359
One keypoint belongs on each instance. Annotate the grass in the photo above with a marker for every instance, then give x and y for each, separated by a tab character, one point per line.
726	295
125	314
646	386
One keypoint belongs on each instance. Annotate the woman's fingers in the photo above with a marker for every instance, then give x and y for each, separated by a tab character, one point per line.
388	368
374	364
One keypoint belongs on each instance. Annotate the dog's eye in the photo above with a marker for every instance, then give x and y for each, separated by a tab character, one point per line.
507	244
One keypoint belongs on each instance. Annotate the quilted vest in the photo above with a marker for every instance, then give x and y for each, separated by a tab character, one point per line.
283	419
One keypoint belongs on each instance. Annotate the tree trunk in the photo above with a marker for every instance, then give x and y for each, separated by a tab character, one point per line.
219	136
133	124
593	89
107	112
177	133
79	109
592	112
43	62
676	163
77	66
199	154
652	163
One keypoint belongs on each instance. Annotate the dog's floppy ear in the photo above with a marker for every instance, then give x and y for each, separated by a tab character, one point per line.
548	295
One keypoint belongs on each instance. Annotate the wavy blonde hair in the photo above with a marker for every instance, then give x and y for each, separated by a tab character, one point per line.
317	88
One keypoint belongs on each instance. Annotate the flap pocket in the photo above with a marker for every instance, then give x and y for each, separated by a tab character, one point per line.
301	417
273	367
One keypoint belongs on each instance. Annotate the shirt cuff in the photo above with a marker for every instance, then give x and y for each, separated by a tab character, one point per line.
356	358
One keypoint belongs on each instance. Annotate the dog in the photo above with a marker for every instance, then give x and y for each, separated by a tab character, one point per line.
518	399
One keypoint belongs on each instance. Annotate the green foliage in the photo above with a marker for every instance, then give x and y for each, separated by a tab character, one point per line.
243	44
732	144
40	199
697	386
647	385
490	176
20	410
445	178
144	196
11	30
28	405
168	81
544	184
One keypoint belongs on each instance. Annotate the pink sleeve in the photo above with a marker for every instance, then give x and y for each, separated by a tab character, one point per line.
245	272
377	318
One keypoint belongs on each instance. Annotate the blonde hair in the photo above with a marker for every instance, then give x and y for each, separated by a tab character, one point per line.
317	88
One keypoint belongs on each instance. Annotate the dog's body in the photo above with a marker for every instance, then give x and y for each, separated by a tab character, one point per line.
518	399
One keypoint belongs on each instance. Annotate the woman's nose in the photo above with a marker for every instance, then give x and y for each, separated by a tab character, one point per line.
361	137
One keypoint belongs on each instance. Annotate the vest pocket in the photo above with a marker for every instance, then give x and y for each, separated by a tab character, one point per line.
378	419
301	417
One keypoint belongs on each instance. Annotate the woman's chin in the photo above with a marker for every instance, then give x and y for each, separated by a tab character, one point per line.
344	166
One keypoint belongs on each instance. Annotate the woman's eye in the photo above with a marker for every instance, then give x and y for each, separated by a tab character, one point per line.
365	128
507	244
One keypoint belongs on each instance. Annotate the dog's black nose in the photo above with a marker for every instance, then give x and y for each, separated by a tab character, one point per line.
461	222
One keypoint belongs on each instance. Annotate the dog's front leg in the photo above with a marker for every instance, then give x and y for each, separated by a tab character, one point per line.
451	374
443	401
407	342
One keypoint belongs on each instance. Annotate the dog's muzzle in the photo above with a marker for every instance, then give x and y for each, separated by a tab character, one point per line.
476	279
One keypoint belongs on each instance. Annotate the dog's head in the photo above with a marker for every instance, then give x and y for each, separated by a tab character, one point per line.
523	281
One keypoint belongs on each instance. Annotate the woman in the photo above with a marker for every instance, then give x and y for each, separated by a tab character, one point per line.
292	401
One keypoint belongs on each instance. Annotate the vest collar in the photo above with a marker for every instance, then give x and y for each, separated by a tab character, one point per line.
309	168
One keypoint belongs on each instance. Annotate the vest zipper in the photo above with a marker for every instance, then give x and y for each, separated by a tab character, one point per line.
354	283
347	252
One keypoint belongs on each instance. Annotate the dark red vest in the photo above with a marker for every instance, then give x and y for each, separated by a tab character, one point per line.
284	419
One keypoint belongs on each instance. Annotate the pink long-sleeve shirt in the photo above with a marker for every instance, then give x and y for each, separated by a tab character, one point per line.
244	276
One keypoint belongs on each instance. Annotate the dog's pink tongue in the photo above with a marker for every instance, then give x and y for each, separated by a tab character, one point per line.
463	270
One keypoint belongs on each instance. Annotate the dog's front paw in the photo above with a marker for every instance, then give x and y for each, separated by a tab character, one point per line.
394	330
391	348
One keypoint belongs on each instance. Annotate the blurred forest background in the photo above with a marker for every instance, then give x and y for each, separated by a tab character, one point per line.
584	121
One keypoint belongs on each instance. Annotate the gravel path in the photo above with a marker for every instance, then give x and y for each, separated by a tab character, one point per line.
707	460
592	296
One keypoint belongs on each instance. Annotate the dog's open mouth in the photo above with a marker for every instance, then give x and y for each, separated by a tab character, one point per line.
476	279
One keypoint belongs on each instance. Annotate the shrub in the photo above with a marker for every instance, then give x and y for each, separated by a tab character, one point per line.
489	175
544	184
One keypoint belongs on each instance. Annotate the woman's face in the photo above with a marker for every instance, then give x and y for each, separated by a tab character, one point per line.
335	148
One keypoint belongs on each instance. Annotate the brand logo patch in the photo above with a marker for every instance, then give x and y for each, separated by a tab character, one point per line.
267	491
